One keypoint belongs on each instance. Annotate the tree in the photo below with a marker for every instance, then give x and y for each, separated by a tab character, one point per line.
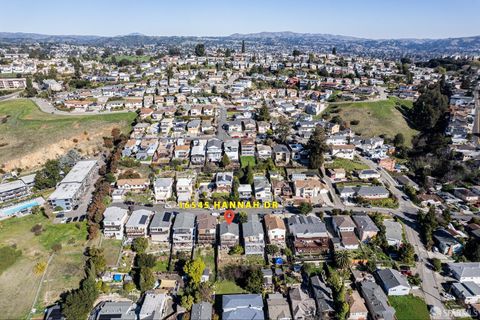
264	113
49	176
97	258
407	253
283	129
146	279
236	249
334	50
194	270
428	109
371	265
472	250
317	147
30	91
248	177
305	208
254	281
225	160
200	50
398	140
144	260
139	245
40	267
242	217
187	301
342	259
296	53
437	264
271	249
243	46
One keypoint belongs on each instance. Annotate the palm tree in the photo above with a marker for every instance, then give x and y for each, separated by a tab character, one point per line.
342	259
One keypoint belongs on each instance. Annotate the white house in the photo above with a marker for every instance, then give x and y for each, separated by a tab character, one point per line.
163	188
114	219
393	282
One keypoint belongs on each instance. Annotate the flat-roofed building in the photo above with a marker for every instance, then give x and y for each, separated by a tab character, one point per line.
72	187
137	224
160	227
114	219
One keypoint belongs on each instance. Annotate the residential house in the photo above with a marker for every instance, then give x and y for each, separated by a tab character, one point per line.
183	232
343	151
368	174
242	307
465	271
244	191
253	235
229	235
224	181
214	150
122	310
365	227
276	231
358	309
184	189
137	224
206	228
181	152
465	194
247	147
114	219
277	307
201	311
231	149
376	301
262	188
336	174
159	228
154	306
136	184
393	282
281	154
310	189
309	235
302	306
163	189
468	292
323	298
446	243
264	151
393	232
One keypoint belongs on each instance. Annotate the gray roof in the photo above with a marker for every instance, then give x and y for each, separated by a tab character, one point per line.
365	223
121	310
252	227
306	226
184	220
214	143
201	311
391	278
467	289
393	230
465	269
153	305
242	307
229	228
376	300
139	218
444	237
280	148
371	190
114	214
322	294
9	186
79	171
278	307
161	219
163	182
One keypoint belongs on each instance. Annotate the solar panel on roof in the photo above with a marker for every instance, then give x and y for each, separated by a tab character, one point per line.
167	216
143	219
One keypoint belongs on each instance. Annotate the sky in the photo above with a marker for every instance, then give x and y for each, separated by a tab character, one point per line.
375	19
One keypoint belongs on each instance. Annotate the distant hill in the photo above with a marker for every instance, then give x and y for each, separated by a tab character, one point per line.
269	40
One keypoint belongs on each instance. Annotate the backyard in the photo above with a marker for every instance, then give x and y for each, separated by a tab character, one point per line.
409	307
20	280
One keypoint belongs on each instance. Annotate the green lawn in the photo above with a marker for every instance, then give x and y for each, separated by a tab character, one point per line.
409	307
348	165
227	287
247	160
19	283
111	251
376	118
132	58
30	136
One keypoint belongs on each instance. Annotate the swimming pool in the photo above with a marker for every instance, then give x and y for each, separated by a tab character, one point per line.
21	207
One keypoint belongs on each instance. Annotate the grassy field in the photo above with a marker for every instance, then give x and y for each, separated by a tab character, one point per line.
409	307
19	283
227	287
30	136
133	58
247	160
111	250
376	118
348	165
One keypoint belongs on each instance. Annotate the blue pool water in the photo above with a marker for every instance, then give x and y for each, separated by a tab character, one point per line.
19	208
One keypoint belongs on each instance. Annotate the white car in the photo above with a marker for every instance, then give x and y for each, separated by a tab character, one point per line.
216	214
